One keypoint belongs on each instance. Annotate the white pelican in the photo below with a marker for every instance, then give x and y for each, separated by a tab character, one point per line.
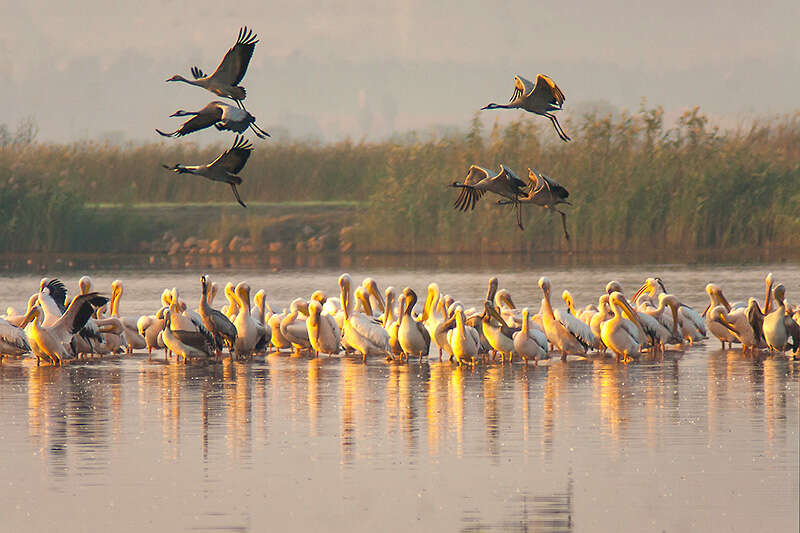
779	327
736	323
132	336
150	326
719	328
232	309
391	323
615	335
186	344
497	332
13	340
441	335
221	328
293	326
377	305
539	98
359	331
55	341
247	331
464	344
17	319
527	345
225	80
603	313
567	334
323	332
413	336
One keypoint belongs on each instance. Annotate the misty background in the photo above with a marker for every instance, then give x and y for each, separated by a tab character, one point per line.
330	70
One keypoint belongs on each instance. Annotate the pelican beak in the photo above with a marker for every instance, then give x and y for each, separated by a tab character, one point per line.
639	291
721	319
706	310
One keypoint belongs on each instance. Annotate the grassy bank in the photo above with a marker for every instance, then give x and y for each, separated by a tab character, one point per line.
634	182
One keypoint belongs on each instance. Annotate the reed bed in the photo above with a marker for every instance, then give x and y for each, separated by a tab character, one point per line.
635	183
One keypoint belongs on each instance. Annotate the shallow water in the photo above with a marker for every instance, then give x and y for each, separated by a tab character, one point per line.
705	440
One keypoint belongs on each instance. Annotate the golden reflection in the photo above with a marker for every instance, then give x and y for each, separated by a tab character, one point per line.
313	395
609	378
556	379
237	406
259	404
654	404
41	382
490	411
353	404
525	406
392	386
775	371
434	404
716	389
406	407
455	397
172	378
116	405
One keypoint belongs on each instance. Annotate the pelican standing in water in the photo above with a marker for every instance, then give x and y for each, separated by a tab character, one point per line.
414	338
464	343
779	327
362	333
567	334
225	80
527	345
614	333
323	333
539	98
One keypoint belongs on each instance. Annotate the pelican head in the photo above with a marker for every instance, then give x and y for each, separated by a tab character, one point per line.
371	287
85	284
363	299
319	296
648	287
314	312
504	297
779	292
242	290
544	284
717	314
567	297
613	286
492	289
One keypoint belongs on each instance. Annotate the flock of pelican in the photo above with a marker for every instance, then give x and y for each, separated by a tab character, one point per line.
394	325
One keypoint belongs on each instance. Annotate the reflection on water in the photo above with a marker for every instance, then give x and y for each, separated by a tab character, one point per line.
467	438
704	440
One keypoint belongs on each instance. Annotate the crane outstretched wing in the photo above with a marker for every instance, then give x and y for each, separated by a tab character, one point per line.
547	91
522	88
469	195
234	158
233	66
192	125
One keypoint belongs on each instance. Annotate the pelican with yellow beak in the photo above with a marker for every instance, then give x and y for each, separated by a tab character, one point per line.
615	335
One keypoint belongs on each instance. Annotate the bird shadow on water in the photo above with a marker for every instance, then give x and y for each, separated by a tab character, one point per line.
550	513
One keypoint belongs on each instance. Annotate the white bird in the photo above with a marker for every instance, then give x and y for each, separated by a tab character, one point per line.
247	331
567	334
780	327
497	332
323	332
465	345
413	336
527	345
13	340
615	335
736	323
719	328
293	326
362	333
134	339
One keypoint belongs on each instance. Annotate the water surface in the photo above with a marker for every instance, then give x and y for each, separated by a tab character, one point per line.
705	440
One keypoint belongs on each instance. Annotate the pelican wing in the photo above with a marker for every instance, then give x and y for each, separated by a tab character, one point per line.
80	310
194	339
546	90
370	331
12	336
58	292
233	66
233	159
581	331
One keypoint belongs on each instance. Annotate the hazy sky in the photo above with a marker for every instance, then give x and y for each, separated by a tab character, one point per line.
330	69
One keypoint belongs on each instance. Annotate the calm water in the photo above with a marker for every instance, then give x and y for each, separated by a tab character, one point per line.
706	440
